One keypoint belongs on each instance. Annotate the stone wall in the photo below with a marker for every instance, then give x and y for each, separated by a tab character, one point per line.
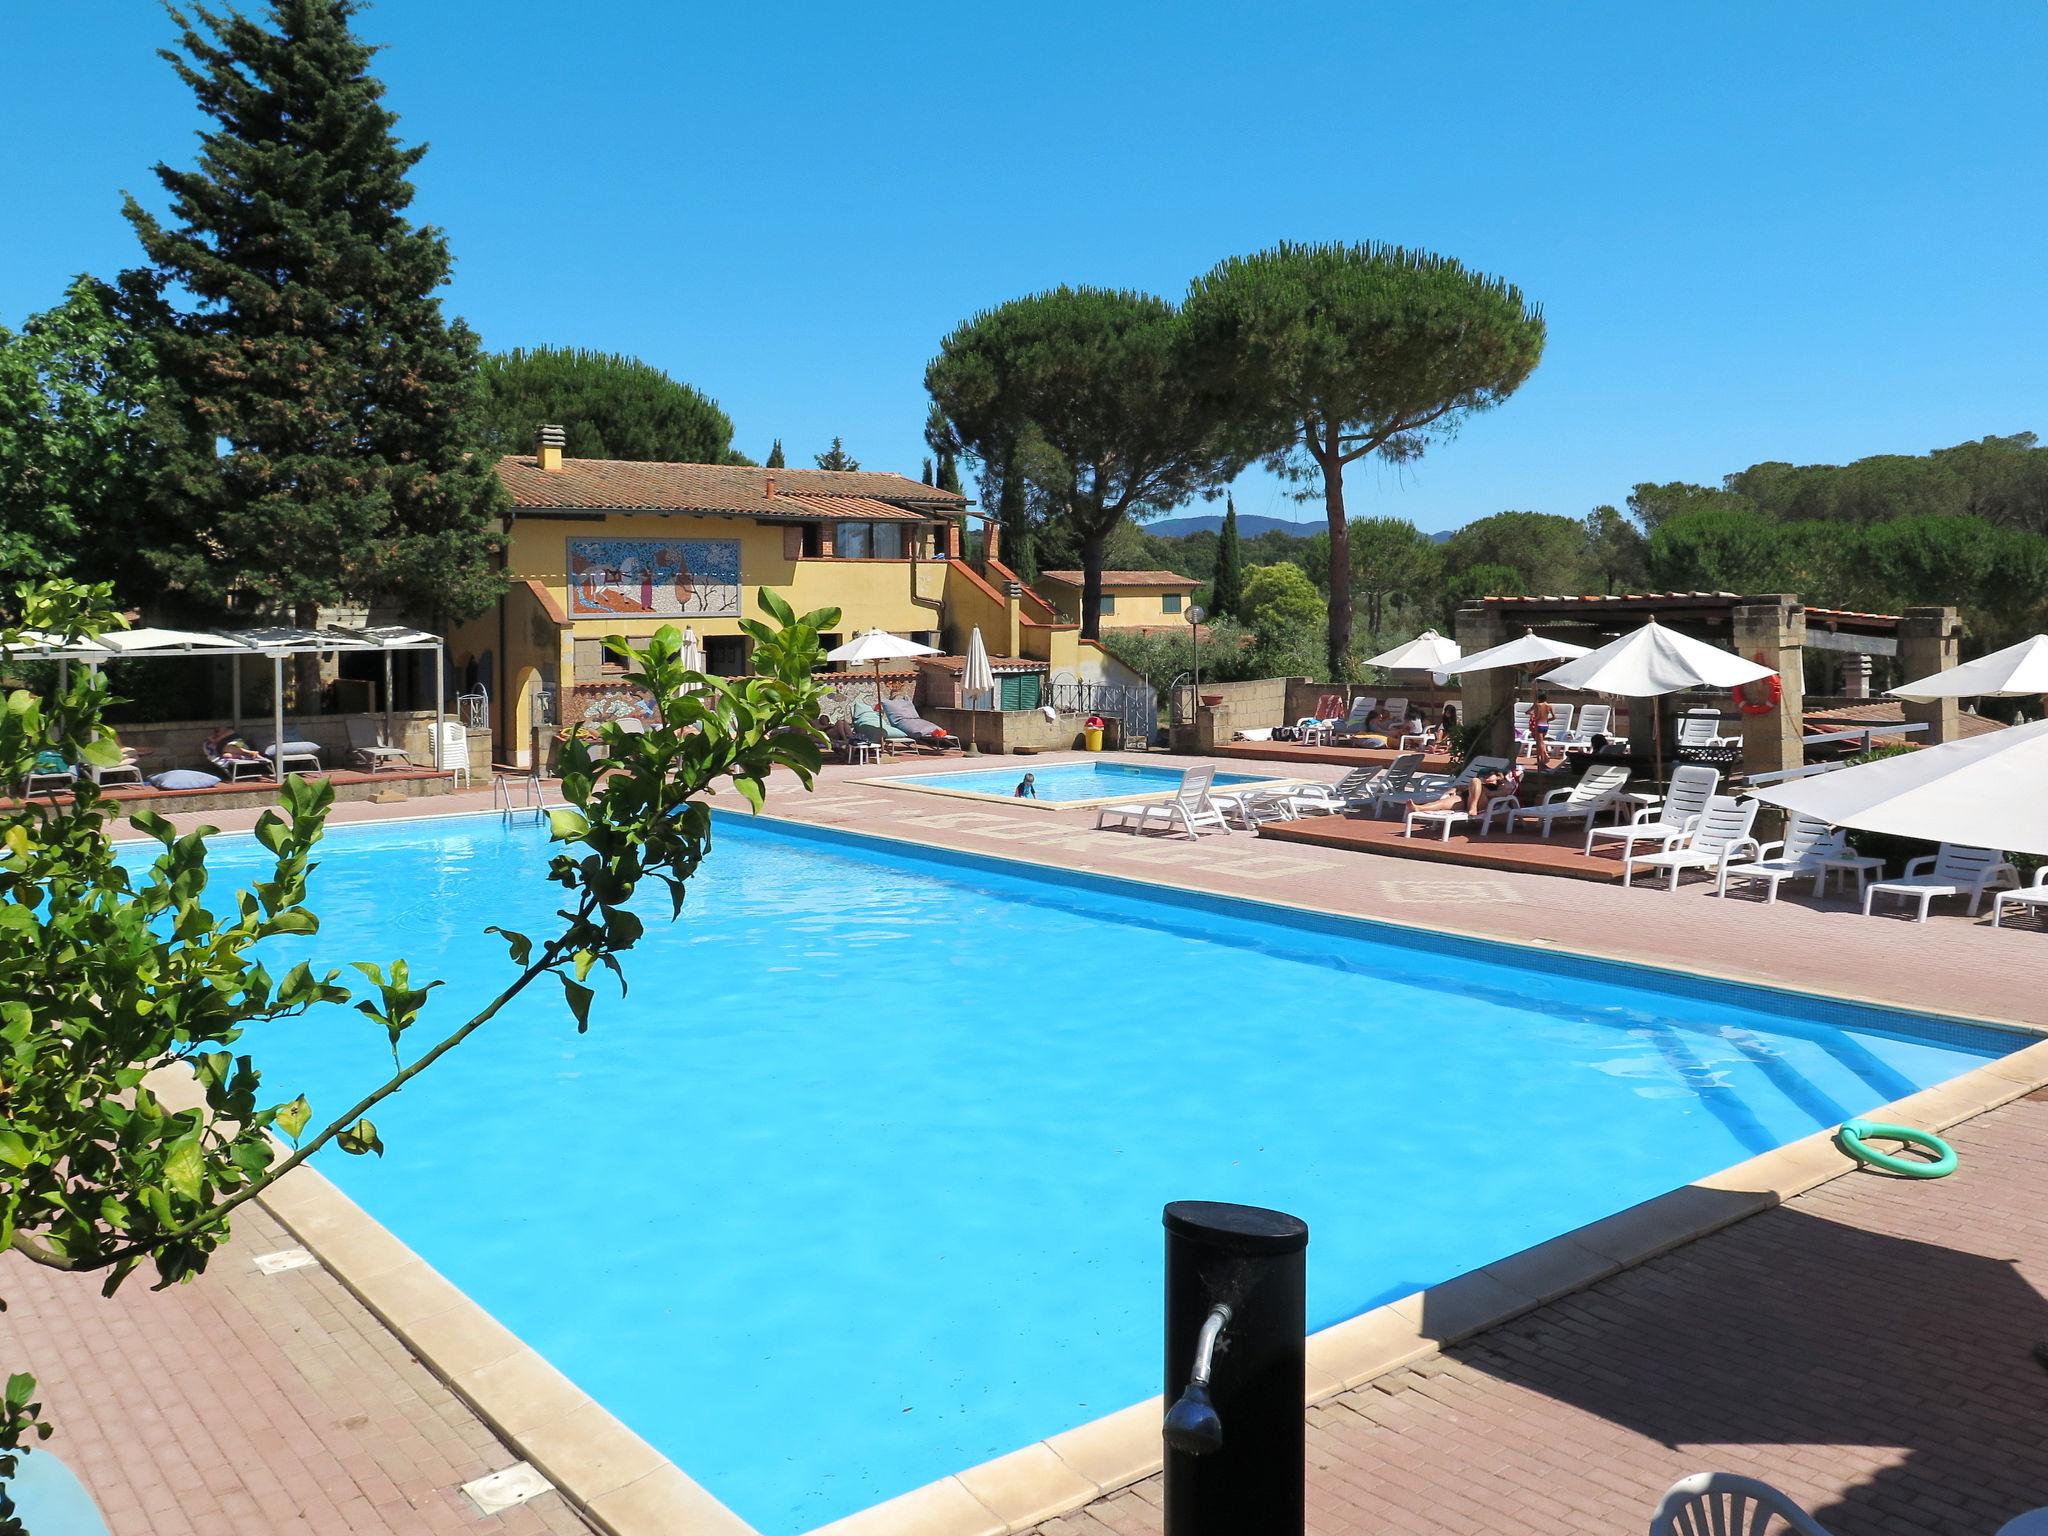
175	743
1018	730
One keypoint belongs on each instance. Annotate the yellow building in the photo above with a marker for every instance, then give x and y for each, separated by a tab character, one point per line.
1130	599
599	547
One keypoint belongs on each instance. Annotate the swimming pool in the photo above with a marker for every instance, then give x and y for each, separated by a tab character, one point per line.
861	1184
1087	782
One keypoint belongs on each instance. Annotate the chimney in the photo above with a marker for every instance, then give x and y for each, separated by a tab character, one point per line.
768	486
552	441
1013	599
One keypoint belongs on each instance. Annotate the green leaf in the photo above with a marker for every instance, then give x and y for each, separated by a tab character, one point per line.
579	1002
359	1138
520	945
13	1150
292	1117
567	824
185	1167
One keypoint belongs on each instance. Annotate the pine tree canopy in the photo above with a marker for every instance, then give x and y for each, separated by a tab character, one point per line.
836	457
319	435
609	406
775	459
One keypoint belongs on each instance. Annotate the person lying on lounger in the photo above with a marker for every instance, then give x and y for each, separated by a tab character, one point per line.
227	746
1475	795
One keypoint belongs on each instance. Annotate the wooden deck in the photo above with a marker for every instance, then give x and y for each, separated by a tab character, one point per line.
349	784
1327	757
1522	852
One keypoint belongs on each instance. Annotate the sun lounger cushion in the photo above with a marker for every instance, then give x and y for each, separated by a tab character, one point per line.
295	748
869	726
906	719
183	778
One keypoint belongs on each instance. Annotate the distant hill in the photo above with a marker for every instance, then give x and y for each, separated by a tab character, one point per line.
1249	526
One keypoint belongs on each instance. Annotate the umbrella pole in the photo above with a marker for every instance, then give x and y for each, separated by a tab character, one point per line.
1656	741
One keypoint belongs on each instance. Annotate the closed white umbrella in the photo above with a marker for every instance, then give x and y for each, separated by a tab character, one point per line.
692	654
1984	791
1653	661
976	678
2018	671
878	646
1427	652
1531	650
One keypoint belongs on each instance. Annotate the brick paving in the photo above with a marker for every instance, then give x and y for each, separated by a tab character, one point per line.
1864	1347
247	1404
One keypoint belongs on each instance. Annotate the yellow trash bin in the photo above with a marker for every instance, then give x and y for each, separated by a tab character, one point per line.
1091	737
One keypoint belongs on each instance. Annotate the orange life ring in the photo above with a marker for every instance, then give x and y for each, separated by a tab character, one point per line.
1774	685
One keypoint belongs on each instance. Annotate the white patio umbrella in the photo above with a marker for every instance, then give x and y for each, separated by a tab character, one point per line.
1653	661
1427	652
878	646
1531	650
2018	671
976	678
1984	791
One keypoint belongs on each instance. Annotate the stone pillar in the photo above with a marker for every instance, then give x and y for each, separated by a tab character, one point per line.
1929	642
1772	633
952	538
1856	677
1479	628
991	540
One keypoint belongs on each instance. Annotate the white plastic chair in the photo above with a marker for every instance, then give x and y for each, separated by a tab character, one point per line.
1594	720
1692	786
451	752
1189	808
1719	835
1702	728
1596	790
1725	1504
1809	841
1951	870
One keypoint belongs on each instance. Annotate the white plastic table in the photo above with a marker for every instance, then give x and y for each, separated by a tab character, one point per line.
1862	866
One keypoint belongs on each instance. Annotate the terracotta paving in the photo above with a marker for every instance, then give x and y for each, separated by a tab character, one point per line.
1865	1346
248	1404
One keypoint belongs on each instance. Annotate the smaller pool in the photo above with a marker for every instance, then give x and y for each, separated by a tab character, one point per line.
1074	783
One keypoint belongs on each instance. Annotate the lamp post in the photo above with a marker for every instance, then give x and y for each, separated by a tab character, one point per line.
1196	613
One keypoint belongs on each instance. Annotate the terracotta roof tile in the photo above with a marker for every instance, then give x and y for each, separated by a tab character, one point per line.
1112	579
618	485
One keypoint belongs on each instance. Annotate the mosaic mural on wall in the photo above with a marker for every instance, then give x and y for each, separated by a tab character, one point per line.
654	578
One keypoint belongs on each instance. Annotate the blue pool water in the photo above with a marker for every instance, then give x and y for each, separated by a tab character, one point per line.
861	1183
1093	779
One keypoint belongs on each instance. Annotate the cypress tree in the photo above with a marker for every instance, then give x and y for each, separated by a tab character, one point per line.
775	460
320	449
949	475
1226	588
928	480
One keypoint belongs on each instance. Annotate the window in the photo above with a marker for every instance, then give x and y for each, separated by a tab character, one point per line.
869	541
594	658
1169	602
725	655
1108	605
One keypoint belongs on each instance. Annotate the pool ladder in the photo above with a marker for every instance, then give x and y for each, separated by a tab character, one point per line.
532	803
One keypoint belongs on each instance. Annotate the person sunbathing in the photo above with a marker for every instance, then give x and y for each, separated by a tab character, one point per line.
227	745
1474	795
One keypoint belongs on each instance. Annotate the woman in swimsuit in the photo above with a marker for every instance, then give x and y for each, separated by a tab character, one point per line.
1540	716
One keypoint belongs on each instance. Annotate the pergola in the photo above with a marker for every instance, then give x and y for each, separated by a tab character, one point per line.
274	642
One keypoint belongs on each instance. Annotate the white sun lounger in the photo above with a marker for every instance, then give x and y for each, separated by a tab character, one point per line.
1951	870
366	744
1188	809
1598	789
1719	836
2035	896
1691	788
1809	843
1429	786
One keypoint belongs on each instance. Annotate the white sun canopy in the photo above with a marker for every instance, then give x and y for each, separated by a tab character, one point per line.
2017	672
1984	791
1654	660
1530	650
1427	652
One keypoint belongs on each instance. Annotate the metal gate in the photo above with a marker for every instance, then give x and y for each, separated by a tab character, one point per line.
1134	706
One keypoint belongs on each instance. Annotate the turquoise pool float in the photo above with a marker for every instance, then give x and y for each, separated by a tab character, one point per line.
1855	1134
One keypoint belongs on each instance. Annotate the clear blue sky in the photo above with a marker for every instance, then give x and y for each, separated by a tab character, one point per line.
1806	232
